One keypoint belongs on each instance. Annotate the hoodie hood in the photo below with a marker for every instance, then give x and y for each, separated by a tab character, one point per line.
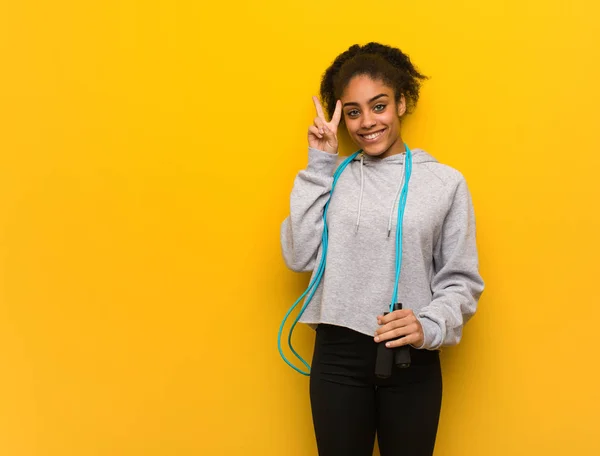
418	156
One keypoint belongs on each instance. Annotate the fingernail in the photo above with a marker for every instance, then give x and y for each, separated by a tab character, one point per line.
388	345
377	339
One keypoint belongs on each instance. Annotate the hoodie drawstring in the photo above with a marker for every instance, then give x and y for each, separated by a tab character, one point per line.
394	203
362	189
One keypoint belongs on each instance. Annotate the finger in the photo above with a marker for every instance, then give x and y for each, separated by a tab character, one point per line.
319	108
410	319
395	315
396	332
394	324
328	133
320	124
312	130
337	114
390	335
407	340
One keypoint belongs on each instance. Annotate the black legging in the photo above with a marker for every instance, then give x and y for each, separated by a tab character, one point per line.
350	405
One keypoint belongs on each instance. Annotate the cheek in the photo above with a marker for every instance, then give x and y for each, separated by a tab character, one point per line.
352	126
389	119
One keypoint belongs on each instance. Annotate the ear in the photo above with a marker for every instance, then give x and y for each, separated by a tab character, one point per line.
401	106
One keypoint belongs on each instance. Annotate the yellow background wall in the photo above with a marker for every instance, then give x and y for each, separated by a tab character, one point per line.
147	151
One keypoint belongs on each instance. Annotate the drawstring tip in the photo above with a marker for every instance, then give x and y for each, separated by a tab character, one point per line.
356	230
389	231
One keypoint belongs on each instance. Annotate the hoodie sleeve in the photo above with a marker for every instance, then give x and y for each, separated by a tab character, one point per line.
456	283
301	231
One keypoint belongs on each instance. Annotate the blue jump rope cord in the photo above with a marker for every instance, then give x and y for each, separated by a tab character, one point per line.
313	285
400	222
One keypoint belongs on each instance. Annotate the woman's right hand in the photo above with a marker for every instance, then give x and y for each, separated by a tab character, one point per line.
322	135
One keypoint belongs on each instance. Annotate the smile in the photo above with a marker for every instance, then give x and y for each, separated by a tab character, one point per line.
373	136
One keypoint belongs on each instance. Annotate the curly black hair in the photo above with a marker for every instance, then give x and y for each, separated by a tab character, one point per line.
380	62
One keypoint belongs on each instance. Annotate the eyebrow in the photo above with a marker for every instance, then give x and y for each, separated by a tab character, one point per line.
353	103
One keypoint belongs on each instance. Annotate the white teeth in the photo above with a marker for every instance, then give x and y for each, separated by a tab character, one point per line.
373	135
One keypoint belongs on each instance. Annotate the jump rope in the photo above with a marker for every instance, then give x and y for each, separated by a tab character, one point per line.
314	283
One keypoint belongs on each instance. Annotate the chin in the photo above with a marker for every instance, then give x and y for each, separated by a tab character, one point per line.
375	151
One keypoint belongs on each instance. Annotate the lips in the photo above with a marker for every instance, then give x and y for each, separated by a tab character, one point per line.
372	136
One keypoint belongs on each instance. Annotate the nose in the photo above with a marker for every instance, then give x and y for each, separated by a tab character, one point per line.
368	121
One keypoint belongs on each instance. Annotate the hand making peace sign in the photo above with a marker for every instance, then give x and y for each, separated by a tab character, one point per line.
323	135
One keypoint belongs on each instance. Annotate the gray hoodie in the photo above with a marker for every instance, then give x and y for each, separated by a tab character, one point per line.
439	278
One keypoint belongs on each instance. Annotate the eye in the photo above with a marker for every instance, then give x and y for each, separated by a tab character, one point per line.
379	107
352	113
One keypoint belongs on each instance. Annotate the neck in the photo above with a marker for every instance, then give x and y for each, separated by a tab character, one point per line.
396	148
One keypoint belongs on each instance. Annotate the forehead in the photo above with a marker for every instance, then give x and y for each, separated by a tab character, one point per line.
362	88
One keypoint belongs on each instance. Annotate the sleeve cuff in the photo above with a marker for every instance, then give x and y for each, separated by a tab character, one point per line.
431	335
321	162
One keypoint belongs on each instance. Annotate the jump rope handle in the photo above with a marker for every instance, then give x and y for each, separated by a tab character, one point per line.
387	357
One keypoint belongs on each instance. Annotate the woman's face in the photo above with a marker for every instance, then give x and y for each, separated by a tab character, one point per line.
372	116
